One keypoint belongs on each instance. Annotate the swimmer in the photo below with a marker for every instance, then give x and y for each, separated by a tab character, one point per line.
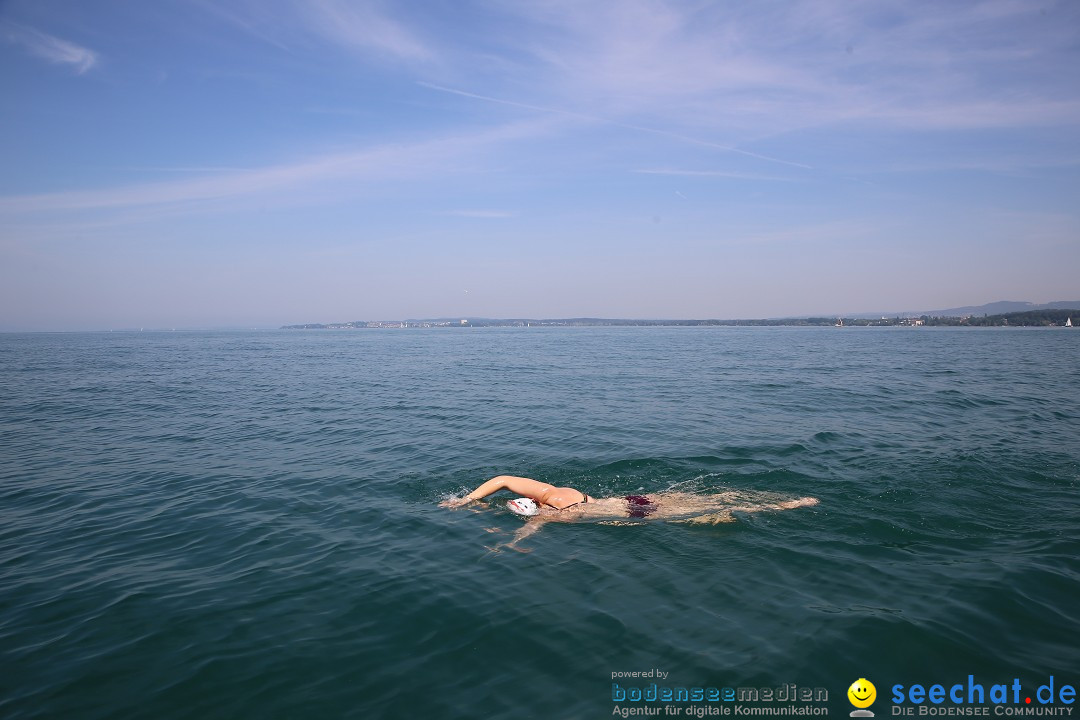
564	504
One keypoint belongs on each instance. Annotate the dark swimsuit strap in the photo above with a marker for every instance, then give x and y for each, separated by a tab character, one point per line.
584	499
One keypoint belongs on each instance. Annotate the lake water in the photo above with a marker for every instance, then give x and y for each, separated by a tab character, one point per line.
235	525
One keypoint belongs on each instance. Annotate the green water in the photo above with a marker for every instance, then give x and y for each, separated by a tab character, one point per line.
246	524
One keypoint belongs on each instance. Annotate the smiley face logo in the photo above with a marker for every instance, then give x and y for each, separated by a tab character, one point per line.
862	693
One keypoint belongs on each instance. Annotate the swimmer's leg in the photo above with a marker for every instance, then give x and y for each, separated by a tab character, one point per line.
727	516
724	516
785	505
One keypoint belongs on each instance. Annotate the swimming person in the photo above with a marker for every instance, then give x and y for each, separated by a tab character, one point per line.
542	502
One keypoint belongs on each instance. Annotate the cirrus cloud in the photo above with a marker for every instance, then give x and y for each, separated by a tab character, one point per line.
51	48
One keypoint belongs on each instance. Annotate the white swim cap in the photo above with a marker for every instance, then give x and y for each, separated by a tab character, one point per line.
523	506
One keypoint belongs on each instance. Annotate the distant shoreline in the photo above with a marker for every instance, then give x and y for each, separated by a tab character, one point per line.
1030	318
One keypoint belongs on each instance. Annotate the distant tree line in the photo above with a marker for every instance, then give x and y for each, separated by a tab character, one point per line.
1027	318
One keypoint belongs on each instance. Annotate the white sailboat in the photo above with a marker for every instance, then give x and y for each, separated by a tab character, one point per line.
1068	322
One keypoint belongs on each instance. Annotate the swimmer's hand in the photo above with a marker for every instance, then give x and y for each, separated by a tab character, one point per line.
454	502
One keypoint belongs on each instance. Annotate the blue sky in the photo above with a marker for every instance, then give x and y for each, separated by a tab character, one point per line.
193	163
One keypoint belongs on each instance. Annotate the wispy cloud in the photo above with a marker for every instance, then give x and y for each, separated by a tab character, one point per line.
596	119
50	48
481	214
200	169
257	21
761	70
510	103
721	75
367	27
715	174
300	181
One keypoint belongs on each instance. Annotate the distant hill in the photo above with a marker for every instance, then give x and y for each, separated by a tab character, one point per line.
1001	307
1006	306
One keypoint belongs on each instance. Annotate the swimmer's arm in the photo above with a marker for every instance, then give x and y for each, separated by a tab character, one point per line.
522	486
530	528
533	526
